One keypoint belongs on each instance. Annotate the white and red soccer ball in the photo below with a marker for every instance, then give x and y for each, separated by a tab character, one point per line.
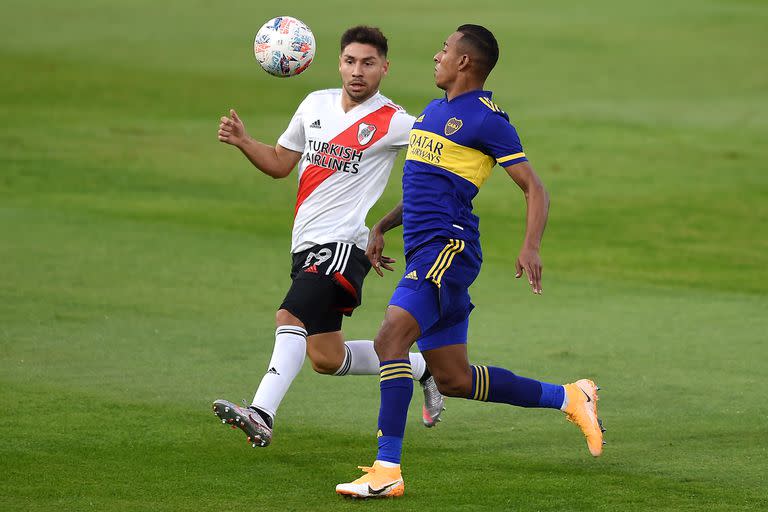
284	46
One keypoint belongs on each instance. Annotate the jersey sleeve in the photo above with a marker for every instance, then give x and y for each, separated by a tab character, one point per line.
500	140
399	129
293	136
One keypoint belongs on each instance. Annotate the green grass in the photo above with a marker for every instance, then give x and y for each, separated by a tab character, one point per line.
141	261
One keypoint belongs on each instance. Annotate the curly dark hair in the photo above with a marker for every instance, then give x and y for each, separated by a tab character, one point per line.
364	34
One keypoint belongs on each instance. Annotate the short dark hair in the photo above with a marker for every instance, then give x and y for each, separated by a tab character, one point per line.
486	47
364	34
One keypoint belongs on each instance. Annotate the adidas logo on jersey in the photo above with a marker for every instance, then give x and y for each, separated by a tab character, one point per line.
311	270
412	275
316	124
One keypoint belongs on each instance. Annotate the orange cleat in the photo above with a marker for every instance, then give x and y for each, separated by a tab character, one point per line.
378	482
581	409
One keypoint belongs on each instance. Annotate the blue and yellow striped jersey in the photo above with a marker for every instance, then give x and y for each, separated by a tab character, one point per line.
452	148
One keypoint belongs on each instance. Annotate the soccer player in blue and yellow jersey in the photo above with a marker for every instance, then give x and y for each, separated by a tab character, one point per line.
454	144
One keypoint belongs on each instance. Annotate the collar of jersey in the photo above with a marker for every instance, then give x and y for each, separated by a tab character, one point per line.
366	102
473	92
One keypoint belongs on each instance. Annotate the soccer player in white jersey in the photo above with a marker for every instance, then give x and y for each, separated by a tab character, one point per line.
345	142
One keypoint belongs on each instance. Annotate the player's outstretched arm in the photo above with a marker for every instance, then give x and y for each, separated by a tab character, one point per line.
537	200
274	161
376	239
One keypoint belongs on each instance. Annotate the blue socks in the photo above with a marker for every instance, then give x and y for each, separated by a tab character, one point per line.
489	384
492	384
396	384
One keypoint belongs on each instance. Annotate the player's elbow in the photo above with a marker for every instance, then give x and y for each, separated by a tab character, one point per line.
278	174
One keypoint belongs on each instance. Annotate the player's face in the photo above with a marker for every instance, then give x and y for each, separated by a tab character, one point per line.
362	69
447	61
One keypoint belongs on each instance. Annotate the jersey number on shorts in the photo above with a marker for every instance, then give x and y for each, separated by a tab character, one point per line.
320	257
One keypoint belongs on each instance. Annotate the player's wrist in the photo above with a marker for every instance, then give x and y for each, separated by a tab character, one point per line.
243	142
530	246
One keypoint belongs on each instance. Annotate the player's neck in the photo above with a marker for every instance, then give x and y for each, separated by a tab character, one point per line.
460	87
348	103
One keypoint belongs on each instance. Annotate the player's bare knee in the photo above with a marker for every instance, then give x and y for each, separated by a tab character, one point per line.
454	385
395	337
285	317
389	345
324	366
323	363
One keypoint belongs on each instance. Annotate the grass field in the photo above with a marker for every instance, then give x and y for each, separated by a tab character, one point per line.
141	261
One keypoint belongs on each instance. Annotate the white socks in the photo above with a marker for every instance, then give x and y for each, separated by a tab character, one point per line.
361	359
418	365
287	359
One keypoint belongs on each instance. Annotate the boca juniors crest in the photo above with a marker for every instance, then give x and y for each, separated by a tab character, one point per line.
365	133
453	125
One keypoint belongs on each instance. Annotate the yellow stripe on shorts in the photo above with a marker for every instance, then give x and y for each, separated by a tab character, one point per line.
448	263
440	258
444	259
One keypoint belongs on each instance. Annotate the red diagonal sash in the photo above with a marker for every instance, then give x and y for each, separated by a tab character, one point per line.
314	175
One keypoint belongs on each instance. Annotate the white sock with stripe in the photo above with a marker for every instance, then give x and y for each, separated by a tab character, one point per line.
361	359
287	360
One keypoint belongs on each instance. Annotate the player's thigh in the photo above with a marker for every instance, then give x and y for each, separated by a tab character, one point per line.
326	351
449	365
311	301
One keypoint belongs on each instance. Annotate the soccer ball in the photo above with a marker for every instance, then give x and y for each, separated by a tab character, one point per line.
284	46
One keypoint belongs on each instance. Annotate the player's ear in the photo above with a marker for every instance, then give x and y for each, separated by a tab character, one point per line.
464	62
386	66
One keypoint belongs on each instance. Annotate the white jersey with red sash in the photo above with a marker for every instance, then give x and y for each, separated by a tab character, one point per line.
346	161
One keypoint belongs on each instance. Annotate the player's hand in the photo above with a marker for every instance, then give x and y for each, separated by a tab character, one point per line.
529	262
232	129
374	249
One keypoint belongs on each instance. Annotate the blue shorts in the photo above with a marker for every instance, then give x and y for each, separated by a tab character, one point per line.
434	290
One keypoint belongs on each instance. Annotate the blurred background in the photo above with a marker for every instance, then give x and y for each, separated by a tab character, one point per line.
141	261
